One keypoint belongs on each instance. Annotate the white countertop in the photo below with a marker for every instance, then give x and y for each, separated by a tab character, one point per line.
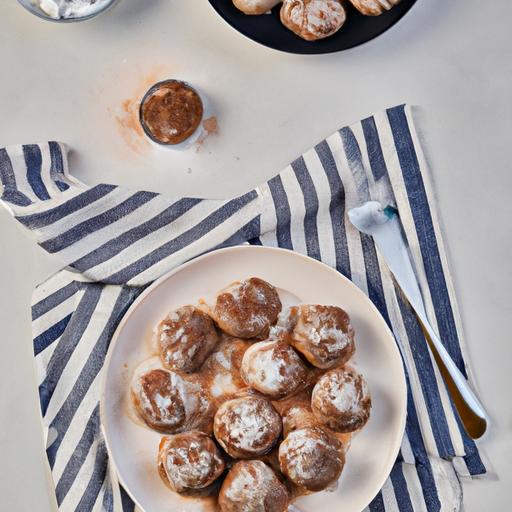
67	82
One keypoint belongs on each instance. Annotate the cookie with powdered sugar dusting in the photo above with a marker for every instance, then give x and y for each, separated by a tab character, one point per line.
185	338
273	368
252	486
323	334
255	7
190	460
313	19
311	458
247	309
341	400
373	7
247	426
168	403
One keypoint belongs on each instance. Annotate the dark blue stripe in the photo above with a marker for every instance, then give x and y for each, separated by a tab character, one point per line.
474	464
68	342
255	241
121	242
311	205
374	149
400	487
373	276
97	222
57	166
426	236
428	486
34	161
472	457
89	371
423	467
212	221
283	213
425	369
377	504
98	476
247	233
355	163
46	338
54	299
128	504
10	194
413	428
6	171
336	208
61	185
39	220
15	197
77	459
108	499
57	160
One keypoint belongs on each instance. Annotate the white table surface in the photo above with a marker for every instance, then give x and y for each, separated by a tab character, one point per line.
452	59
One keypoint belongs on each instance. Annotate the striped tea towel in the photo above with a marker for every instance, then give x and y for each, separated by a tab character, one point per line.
114	242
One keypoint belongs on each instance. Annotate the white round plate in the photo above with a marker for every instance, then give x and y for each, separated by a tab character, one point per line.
133	448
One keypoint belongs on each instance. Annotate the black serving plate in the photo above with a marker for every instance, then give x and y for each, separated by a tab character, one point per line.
268	30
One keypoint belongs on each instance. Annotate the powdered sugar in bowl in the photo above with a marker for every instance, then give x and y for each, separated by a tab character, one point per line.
64	11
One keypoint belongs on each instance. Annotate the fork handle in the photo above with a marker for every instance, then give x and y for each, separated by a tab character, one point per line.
456	375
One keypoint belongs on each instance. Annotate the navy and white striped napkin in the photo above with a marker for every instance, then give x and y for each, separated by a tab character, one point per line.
113	242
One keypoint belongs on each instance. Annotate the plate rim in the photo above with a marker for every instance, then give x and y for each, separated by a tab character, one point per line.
312	53
158	282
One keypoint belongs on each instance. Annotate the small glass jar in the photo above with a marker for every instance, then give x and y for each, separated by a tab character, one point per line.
171	114
49	10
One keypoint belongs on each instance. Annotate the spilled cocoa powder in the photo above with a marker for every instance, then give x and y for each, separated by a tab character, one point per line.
126	114
128	126
210	127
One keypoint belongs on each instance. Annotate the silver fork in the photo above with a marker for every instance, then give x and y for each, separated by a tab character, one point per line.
383	224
